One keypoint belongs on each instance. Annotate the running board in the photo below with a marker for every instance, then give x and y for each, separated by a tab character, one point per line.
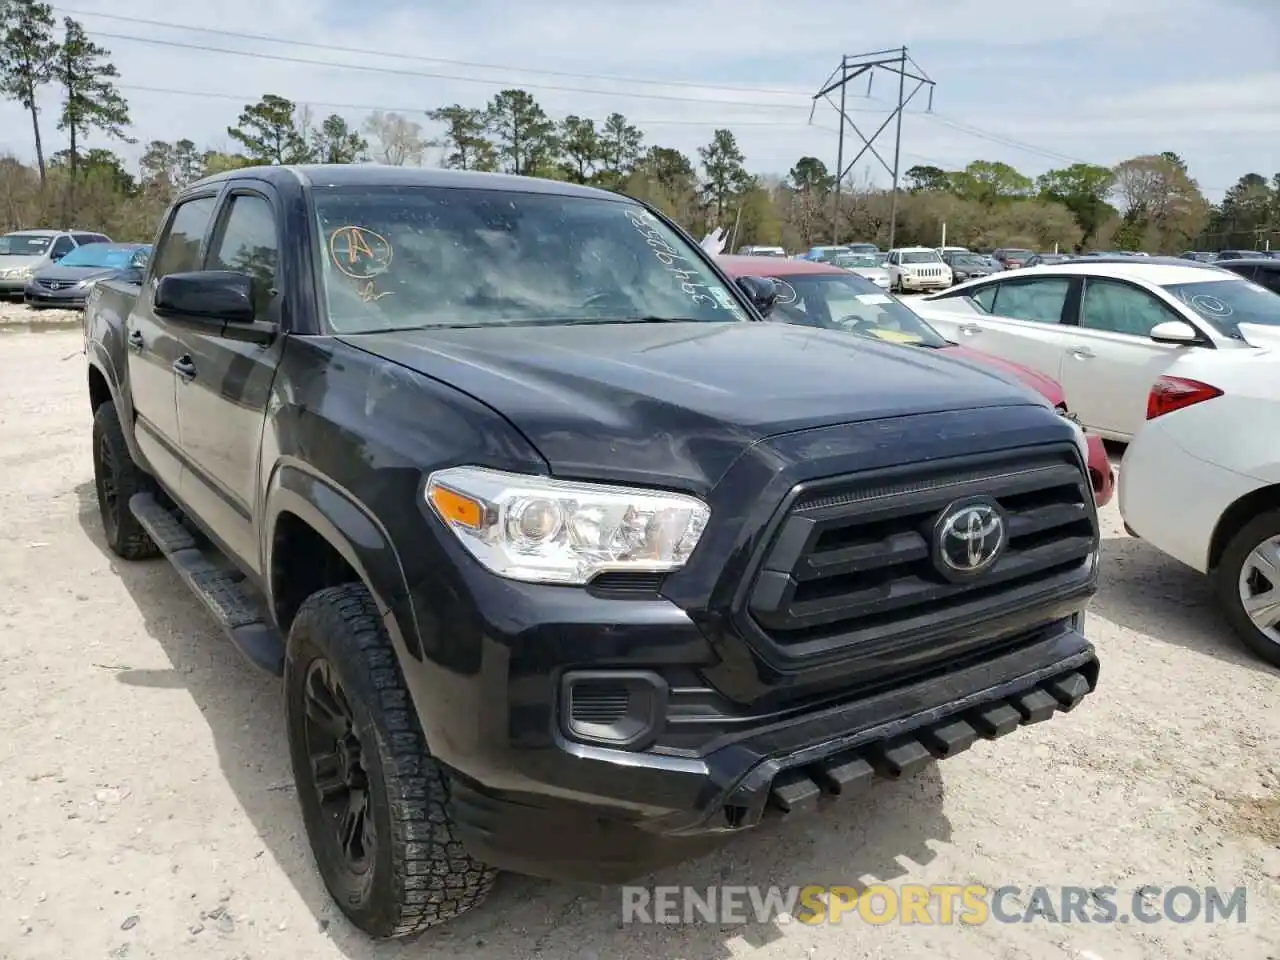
212	579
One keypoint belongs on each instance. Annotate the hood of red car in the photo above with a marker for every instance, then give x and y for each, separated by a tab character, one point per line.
1047	386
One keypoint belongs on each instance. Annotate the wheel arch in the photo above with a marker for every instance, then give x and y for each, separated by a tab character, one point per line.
305	516
1236	516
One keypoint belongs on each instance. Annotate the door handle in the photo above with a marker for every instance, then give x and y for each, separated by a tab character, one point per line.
185	368
136	341
970	328
1082	353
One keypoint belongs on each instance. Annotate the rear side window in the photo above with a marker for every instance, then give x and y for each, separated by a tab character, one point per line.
246	243
179	250
1039	301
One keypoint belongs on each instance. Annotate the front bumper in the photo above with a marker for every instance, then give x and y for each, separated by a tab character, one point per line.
12	286
923	283
631	813
69	299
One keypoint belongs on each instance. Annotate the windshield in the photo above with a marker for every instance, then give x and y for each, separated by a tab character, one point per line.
850	303
921	256
969	259
99	255
858	261
1228	303
420	257
24	245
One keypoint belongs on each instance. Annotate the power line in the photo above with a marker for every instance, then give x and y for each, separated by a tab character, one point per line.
365	51
247	99
394	71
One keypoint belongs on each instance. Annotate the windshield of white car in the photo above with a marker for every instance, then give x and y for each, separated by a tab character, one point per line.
850	303
1228	303
24	244
920	256
427	257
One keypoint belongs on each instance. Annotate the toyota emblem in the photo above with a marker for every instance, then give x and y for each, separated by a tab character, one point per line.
969	538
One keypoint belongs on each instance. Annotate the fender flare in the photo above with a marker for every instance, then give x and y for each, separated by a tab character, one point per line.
357	535
99	358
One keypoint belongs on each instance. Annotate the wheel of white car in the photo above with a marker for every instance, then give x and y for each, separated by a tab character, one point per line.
1247	585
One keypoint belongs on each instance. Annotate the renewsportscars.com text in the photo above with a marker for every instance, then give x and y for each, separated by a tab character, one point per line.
933	904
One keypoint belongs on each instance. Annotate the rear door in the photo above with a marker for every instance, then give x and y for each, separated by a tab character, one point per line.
1023	324
153	342
225	383
1108	369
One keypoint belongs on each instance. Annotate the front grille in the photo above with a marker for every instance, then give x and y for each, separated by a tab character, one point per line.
926	272
56	284
855	561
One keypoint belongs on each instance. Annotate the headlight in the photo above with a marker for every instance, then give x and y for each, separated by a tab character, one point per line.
87	284
553	531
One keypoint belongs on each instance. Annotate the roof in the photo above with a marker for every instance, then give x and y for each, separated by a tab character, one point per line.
1159	274
915	250
382	175
39	233
746	266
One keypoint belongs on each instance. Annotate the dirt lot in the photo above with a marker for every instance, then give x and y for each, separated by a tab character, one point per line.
151	813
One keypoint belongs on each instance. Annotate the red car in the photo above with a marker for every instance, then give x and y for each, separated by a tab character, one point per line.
824	295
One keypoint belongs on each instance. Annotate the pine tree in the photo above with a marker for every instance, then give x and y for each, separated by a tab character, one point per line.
90	98
28	55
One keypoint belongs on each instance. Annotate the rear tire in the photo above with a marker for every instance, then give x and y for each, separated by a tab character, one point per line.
117	478
374	802
1239	576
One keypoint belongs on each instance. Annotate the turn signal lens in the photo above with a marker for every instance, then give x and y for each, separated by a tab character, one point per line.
1174	393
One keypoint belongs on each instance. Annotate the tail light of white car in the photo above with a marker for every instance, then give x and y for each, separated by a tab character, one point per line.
1175	393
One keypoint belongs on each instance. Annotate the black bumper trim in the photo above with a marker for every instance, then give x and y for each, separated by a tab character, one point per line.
794	788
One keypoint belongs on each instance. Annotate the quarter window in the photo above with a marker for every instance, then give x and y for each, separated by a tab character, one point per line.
1121	308
62	246
1039	301
179	251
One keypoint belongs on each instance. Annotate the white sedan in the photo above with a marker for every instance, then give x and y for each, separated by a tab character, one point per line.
1201	482
1105	330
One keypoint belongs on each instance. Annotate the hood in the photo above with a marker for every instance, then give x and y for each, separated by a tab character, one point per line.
677	403
13	263
1047	387
57	272
872	273
1260	334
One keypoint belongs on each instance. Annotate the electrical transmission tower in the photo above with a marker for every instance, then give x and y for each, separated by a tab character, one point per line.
894	61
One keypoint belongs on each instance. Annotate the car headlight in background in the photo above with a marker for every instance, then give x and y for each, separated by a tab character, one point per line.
541	530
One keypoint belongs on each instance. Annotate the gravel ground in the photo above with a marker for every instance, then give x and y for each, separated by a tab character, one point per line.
151	812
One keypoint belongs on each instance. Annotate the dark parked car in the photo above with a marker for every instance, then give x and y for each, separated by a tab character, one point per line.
571	563
966	266
1264	271
1200	256
1239	254
69	282
1011	258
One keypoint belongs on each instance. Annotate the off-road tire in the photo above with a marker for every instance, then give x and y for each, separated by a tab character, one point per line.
1226	583
420	875
124	534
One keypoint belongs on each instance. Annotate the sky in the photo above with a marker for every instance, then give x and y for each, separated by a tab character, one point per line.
1036	84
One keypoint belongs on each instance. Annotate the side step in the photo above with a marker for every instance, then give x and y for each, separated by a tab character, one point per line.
212	579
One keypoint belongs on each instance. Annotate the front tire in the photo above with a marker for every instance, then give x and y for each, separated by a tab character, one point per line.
117	478
1247	585
374	802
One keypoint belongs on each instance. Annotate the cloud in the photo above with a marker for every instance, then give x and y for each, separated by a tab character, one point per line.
1091	80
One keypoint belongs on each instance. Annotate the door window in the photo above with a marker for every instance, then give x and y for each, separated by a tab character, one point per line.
246	243
1039	301
179	250
62	246
1121	308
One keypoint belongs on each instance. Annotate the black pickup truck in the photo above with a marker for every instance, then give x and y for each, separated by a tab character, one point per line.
571	564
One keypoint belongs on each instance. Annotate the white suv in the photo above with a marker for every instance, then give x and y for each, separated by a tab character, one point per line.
918	268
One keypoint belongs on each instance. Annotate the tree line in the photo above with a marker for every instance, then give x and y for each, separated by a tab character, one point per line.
1149	202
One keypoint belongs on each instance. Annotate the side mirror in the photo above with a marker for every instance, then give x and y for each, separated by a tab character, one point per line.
761	291
221	296
1177	332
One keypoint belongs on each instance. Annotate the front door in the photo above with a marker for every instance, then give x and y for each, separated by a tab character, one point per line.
154	343
225	384
1109	368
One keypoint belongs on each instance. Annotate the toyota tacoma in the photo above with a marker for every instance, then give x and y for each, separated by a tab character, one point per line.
549	536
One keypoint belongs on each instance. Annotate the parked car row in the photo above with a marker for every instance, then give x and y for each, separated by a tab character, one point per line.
58	268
